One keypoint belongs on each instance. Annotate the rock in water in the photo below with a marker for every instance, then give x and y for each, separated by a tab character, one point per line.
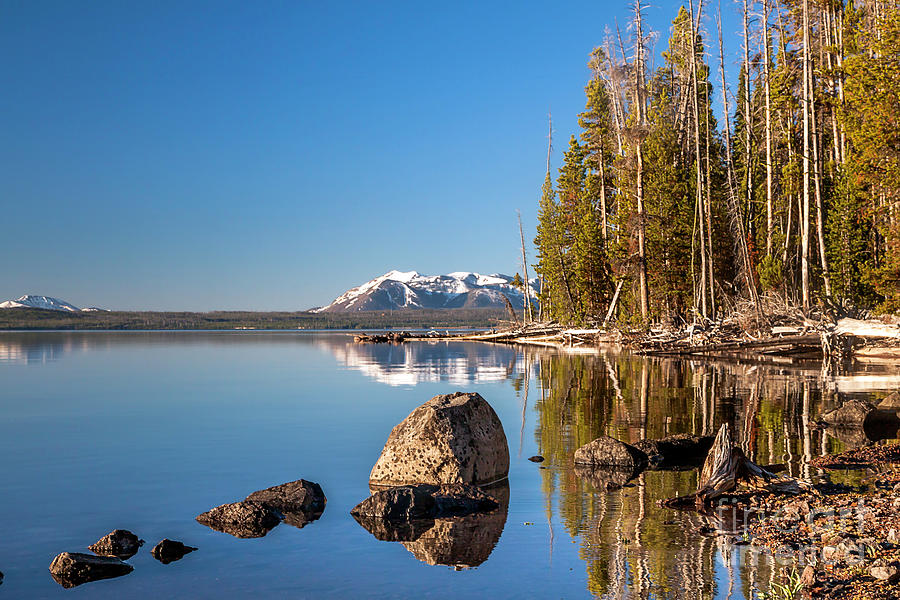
120	543
456	438
850	414
409	502
301	502
610	452
890	402
169	551
536	458
245	519
74	568
676	450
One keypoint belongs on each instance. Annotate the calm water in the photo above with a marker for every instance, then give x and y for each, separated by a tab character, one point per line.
143	431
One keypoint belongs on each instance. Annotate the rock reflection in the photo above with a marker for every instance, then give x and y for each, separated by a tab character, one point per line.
461	542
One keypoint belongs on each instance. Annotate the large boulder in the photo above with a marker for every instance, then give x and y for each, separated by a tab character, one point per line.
301	502
120	543
676	450
456	438
74	568
247	519
610	452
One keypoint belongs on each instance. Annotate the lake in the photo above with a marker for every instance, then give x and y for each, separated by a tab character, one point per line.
145	430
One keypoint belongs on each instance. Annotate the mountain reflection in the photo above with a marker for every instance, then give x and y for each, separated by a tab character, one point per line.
457	363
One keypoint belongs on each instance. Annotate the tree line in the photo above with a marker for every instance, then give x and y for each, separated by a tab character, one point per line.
661	214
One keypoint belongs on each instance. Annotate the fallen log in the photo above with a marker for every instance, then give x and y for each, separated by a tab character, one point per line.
726	467
786	344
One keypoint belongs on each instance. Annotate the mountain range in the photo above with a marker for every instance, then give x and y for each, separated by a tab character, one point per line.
45	302
398	290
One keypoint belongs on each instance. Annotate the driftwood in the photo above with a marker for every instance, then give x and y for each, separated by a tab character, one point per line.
725	468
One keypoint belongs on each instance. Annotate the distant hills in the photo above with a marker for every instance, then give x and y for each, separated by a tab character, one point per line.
403	290
45	302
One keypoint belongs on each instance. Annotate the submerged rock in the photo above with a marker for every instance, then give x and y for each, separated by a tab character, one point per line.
301	502
120	543
247	519
167	551
70	569
537	458
676	450
456	438
610	452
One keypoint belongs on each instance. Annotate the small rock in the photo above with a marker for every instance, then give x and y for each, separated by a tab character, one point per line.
852	413
245	519
890	402
537	458
301	502
610	452
70	569
892	536
168	551
884	571
294	496
120	543
808	576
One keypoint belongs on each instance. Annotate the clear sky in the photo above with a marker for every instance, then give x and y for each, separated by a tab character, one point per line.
269	155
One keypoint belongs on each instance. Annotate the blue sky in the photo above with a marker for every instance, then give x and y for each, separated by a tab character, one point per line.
270	155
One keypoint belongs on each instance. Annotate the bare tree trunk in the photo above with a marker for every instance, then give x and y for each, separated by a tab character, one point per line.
527	316
699	196
736	217
748	116
770	220
642	258
602	160
817	176
804	210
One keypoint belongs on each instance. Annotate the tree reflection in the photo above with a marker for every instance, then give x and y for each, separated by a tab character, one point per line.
633	548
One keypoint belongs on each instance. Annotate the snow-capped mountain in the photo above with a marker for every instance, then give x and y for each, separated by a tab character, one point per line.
410	290
45	302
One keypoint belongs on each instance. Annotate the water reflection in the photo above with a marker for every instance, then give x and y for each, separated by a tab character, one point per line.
460	542
633	548
457	363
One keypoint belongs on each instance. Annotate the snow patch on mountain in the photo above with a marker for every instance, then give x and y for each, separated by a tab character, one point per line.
397	290
45	302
